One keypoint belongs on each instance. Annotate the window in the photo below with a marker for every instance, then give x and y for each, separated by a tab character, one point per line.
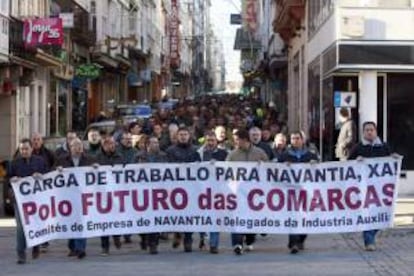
318	12
3	7
5	26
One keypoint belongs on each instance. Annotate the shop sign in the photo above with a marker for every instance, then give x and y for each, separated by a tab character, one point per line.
174	35
67	20
89	70
250	15
345	99
45	31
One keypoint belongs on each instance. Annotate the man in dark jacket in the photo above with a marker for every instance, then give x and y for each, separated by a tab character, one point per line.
75	158
94	142
370	146
183	152
25	164
210	152
128	153
297	153
153	155
255	135
65	148
109	156
39	149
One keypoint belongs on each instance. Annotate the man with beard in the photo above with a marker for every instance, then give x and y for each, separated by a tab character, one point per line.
183	152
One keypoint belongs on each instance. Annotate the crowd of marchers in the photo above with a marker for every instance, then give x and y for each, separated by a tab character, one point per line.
230	128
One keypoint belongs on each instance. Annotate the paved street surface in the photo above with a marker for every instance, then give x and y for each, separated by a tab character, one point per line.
325	255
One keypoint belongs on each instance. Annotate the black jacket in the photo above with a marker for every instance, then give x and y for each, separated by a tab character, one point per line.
297	156
111	159
368	150
266	148
159	157
66	161
26	167
47	155
216	154
183	153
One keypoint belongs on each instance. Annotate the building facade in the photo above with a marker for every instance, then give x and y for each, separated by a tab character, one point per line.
350	54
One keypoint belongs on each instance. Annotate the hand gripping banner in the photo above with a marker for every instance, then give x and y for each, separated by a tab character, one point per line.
244	197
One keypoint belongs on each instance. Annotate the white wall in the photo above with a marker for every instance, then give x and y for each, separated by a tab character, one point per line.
367	97
379	24
326	35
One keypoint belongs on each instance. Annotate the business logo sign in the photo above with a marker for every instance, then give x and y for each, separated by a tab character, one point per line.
45	31
345	99
174	35
89	71
236	19
250	15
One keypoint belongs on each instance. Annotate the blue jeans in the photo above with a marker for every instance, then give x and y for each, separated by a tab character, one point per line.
237	239
188	238
77	245
214	238
369	237
20	238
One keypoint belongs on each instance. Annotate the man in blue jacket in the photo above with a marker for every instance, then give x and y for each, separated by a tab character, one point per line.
297	153
25	164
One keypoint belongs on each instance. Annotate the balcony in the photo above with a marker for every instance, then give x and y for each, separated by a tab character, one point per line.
289	14
84	29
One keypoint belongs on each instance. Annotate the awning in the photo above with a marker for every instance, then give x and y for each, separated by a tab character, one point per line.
22	62
105	60
244	40
277	63
46	60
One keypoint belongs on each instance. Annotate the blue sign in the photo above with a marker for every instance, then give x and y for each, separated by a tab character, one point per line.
337	99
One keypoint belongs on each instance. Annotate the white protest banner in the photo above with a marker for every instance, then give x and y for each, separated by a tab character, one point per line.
244	197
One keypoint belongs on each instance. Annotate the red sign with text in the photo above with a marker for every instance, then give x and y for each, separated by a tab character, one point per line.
174	35
45	31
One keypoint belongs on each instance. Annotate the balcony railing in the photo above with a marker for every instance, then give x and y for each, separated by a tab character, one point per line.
84	30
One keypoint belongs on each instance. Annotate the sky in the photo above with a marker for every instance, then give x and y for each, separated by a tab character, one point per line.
220	18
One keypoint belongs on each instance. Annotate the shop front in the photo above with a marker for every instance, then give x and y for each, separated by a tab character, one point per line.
375	83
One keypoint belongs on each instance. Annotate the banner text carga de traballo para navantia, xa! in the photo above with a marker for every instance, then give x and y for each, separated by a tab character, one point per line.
244	197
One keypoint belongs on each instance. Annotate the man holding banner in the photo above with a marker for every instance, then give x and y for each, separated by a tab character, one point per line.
25	164
153	155
297	153
244	151
183	152
75	158
370	146
109	156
